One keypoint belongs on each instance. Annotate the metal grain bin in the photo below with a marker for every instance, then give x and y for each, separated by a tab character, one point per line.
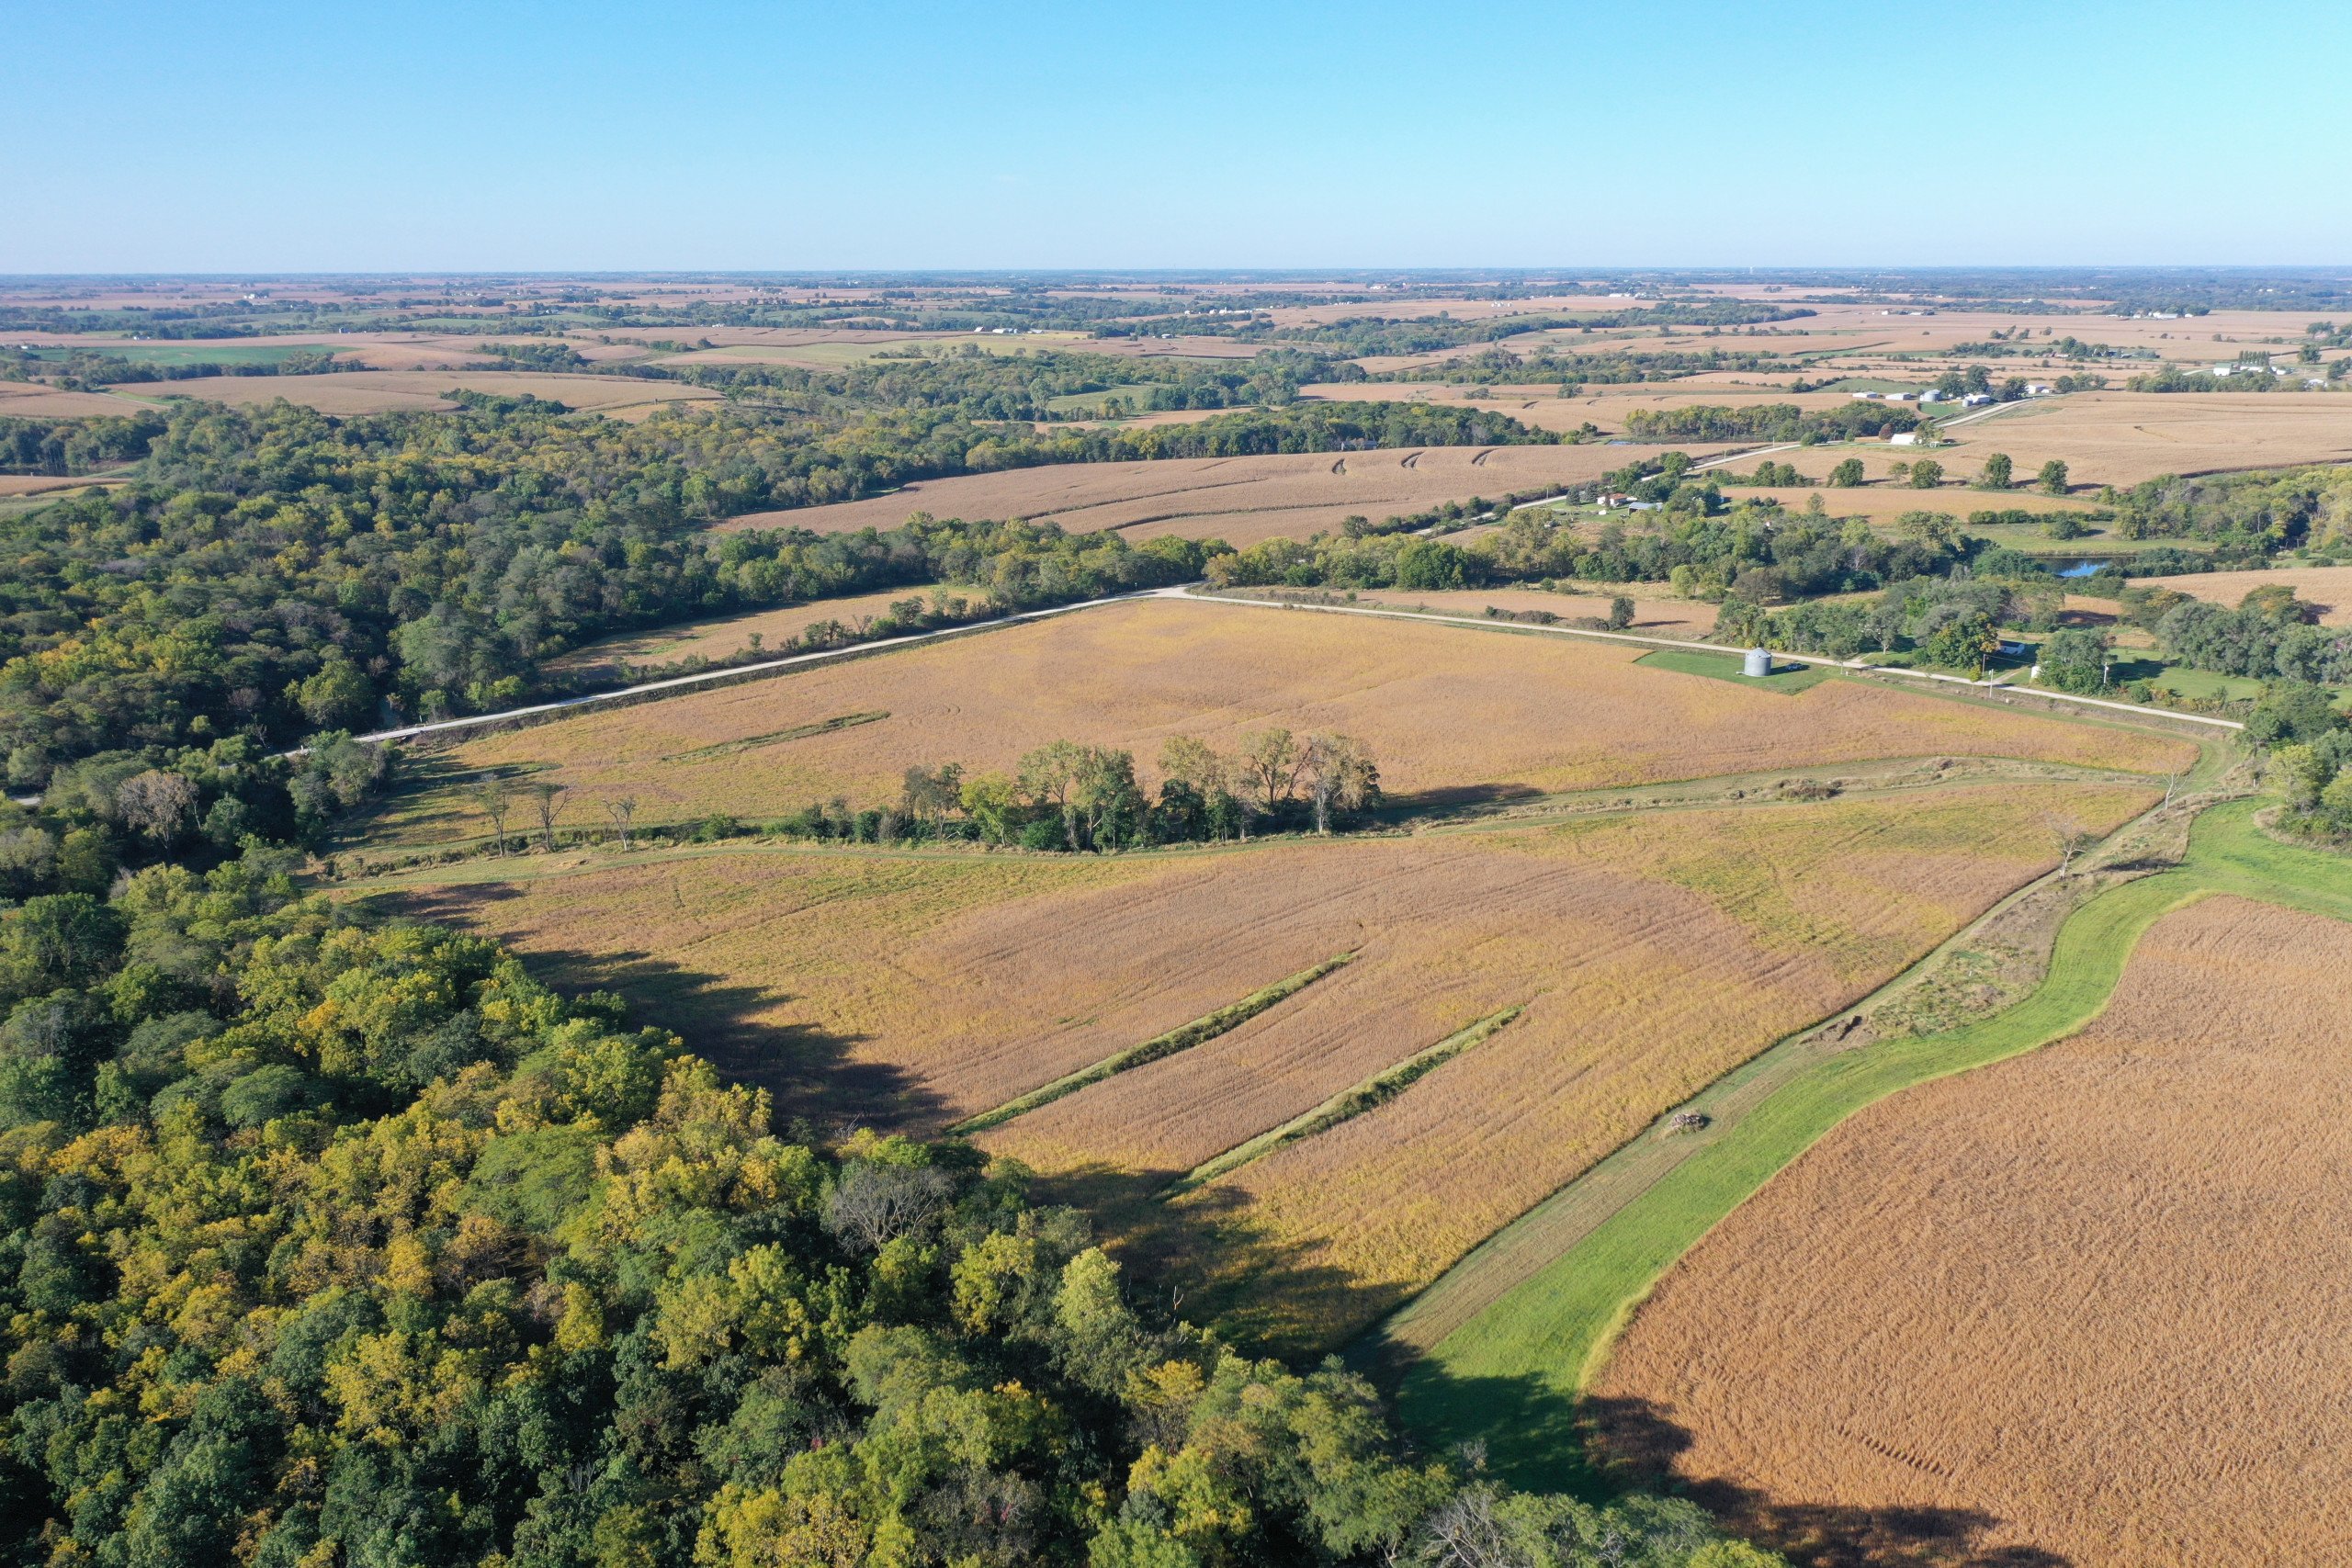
1760	662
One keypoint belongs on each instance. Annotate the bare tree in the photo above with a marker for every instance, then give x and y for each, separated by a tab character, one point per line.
545	804
490	799
620	809
2070	837
2172	783
874	1203
157	803
1339	771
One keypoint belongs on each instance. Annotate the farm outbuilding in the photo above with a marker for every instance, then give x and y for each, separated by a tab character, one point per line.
1760	662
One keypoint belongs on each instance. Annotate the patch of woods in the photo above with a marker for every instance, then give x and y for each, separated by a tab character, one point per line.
331	1242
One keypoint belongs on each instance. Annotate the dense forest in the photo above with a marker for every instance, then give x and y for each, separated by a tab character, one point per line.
339	1243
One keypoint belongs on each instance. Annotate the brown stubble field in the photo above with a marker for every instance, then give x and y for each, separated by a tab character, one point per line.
724	637
2088	1301
387	392
2121	438
1238	500
2329	587
1650	953
1450	713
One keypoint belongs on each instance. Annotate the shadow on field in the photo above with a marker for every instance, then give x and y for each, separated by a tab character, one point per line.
1456	798
1630	1442
809	1070
1206	1258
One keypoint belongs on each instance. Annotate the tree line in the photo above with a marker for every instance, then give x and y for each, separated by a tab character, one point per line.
1066	795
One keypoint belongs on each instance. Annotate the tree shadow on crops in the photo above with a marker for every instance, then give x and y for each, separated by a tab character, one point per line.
1395	808
810	1071
1206	1256
1630	1442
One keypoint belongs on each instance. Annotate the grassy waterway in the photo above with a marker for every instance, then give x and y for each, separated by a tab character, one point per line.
1509	1374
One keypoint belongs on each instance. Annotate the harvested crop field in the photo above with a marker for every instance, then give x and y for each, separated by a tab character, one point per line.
724	637
1691	618
1650	953
31	399
2120	438
1239	500
1885	502
15	485
2084	1306
388	391
1450	713
2330	587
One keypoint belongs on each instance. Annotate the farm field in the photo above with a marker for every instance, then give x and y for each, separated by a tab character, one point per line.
385	391
31	399
722	637
2121	438
1238	500
15	485
1523	1324
1691	618
1452	713
1542	407
2329	587
2089	1297
1885	502
1649	955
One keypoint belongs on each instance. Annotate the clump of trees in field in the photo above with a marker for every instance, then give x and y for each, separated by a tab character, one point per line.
1069	796
2272	635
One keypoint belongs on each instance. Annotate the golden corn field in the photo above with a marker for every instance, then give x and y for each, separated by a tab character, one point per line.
2086	1305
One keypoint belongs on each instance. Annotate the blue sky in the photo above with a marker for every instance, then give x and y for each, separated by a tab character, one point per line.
334	136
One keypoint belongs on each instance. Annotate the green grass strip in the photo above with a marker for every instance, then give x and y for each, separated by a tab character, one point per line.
1368	1095
1231	1016
776	738
1512	1374
1791	677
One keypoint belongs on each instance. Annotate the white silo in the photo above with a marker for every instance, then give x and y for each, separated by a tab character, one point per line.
1760	662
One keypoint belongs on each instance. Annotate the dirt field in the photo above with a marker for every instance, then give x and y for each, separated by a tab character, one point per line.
2327	586
386	391
723	636
2088	1301
1239	500
1450	713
